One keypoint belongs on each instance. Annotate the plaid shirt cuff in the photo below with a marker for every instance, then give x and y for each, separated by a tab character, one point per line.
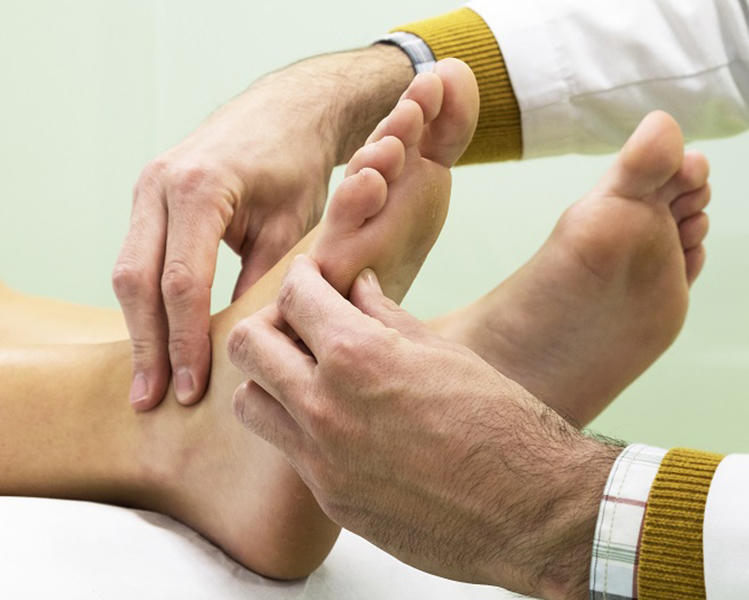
421	55
616	546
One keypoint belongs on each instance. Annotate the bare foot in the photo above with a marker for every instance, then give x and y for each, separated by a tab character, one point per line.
389	218
200	465
608	292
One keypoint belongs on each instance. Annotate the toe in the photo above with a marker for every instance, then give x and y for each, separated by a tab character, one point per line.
358	198
691	203
386	156
693	230
649	159
695	260
426	90
692	175
447	136
406	122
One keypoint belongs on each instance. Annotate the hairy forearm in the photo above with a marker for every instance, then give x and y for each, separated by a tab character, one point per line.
345	94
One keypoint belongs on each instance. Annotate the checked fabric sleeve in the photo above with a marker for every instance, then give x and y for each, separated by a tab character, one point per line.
648	542
616	545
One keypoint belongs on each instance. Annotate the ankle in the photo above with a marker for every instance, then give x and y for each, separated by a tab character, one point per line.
162	452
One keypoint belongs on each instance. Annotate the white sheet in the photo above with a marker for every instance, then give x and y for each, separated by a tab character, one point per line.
78	550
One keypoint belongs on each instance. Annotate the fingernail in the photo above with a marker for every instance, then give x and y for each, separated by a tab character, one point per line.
184	385
139	388
369	277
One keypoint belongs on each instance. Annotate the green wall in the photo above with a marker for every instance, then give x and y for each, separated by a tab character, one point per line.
93	89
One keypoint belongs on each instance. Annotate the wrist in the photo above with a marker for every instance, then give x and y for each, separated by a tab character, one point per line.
546	547
568	540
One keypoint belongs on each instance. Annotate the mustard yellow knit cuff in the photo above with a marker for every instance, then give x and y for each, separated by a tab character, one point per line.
671	555
463	34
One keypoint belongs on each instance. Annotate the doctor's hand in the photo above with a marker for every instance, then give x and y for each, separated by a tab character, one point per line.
255	175
416	443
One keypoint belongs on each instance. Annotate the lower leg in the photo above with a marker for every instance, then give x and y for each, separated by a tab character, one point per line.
67	431
63	430
31	320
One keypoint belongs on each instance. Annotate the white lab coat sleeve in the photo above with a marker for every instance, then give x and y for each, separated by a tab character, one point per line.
726	531
585	72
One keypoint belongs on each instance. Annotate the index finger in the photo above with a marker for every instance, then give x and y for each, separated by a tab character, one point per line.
269	357
315	310
194	233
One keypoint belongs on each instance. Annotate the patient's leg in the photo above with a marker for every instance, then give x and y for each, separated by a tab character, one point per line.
608	292
32	320
66	429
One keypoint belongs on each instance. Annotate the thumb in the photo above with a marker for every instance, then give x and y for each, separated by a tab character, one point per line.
366	294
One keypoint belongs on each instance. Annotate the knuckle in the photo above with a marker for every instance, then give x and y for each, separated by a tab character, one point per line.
129	281
345	353
288	295
152	174
365	361
155	169
242	408
187	180
241	344
177	281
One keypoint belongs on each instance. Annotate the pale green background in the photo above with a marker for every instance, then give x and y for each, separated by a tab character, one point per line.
92	89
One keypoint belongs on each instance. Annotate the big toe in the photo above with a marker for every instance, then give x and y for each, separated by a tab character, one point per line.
448	134
650	158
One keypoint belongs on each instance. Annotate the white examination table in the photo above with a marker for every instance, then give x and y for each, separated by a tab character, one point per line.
63	550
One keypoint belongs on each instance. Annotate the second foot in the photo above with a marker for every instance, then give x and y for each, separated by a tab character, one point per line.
608	292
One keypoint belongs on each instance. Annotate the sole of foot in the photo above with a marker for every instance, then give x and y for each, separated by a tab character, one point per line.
607	293
388	212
